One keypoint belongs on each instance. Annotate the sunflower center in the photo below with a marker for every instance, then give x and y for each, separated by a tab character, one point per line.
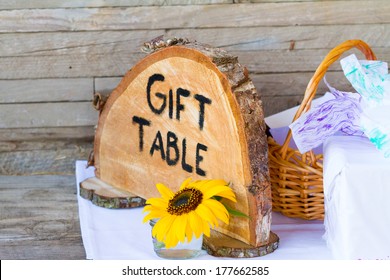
184	201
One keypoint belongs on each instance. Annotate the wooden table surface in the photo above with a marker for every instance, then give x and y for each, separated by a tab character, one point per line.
39	218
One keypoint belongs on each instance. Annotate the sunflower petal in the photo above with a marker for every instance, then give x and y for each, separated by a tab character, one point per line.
176	233
228	194
205	213
206	228
151	216
152	208
217	190
147	208
162	227
179	227
204	185
157	202
218	210
189	232
196	224
165	192
185	183
170	240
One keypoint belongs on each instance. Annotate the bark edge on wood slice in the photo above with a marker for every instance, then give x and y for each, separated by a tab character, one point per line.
104	195
232	129
220	245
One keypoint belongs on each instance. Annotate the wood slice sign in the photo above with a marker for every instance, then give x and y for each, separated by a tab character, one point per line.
188	110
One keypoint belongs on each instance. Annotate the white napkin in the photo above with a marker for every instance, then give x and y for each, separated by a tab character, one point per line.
112	233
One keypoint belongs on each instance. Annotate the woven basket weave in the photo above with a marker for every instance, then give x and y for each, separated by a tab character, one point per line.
296	179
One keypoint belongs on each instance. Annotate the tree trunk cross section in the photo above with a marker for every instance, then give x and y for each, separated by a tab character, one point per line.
189	110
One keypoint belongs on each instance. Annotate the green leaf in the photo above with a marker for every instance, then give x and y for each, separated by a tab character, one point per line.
230	210
234	212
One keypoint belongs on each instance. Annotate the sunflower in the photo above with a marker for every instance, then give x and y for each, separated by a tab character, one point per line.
190	211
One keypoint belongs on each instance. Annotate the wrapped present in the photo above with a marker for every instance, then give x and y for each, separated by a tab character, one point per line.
357	191
354	129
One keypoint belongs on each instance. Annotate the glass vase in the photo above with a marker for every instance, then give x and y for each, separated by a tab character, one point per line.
183	250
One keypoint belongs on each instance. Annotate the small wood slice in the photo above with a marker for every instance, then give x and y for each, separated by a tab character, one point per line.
221	245
104	195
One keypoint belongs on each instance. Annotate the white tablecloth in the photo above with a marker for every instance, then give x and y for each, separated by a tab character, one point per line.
120	233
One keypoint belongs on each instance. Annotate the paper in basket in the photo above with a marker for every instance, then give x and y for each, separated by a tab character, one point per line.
337	115
372	81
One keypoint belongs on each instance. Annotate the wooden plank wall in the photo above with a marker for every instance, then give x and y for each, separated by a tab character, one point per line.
55	54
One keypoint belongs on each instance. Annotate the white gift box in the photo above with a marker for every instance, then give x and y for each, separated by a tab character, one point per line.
357	199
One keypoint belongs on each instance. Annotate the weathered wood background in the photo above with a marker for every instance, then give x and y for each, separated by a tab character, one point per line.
55	54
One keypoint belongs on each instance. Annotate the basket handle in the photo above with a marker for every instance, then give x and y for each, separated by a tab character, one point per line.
311	89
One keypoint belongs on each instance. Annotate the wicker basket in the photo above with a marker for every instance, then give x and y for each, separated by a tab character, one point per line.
296	179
